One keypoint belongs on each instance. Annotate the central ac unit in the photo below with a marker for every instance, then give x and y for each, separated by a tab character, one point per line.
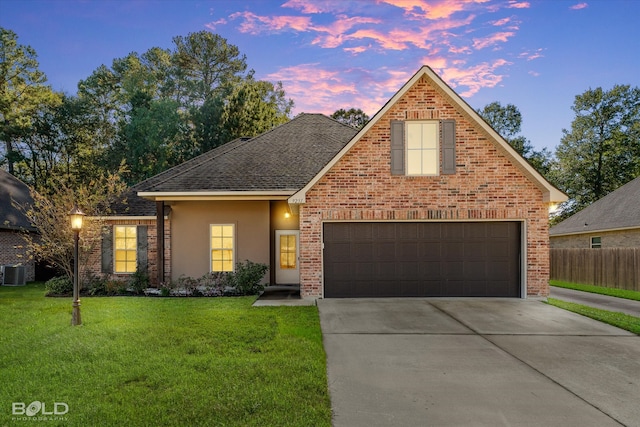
13	275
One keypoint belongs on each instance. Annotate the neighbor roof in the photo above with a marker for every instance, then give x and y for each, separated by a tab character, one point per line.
550	193
280	161
619	209
13	190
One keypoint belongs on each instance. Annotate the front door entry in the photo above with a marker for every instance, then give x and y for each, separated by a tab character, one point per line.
287	257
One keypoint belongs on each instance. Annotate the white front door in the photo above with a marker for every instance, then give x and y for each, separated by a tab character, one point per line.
287	254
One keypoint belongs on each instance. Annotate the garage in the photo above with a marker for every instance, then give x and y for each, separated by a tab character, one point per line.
422	259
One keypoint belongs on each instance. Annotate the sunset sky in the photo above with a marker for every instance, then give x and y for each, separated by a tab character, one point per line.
331	54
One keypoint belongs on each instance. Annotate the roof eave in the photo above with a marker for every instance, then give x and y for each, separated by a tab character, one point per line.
216	195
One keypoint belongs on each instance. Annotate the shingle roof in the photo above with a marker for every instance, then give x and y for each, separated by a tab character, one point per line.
284	158
618	209
11	188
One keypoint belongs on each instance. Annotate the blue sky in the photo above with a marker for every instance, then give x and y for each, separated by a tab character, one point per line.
331	54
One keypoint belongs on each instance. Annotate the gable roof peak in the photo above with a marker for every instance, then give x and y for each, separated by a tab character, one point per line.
550	193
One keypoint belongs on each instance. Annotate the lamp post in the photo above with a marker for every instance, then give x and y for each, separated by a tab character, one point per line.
76	217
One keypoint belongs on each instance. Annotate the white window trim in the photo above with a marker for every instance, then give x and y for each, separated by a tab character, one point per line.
406	147
233	252
113	233
599	245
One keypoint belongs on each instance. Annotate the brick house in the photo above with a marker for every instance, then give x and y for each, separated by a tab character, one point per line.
425	200
13	224
610	222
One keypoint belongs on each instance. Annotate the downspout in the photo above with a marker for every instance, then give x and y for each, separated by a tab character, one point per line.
160	240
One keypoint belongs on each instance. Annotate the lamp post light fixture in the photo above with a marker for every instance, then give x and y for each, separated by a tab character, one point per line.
76	216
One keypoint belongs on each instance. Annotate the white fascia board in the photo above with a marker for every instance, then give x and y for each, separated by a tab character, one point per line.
550	193
125	218
216	195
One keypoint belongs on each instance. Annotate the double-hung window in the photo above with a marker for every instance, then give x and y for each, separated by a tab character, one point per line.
423	147
222	247
125	248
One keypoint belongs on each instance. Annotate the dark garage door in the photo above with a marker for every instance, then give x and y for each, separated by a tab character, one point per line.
412	259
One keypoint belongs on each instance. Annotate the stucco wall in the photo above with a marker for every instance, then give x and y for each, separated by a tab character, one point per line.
609	239
486	186
190	221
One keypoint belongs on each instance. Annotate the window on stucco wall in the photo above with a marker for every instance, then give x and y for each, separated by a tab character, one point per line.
222	247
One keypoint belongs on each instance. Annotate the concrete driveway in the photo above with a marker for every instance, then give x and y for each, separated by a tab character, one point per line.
476	362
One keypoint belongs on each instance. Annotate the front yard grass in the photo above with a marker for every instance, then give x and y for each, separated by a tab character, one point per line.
619	293
620	320
162	361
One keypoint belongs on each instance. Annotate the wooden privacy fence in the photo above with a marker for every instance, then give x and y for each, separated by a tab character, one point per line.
613	267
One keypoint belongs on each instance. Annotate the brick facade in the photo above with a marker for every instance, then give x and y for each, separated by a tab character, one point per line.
13	251
486	186
609	239
94	264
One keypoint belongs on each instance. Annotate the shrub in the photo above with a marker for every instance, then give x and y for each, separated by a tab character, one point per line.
61	285
139	281
248	276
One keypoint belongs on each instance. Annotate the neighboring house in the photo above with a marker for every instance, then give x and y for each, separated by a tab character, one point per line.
13	224
425	200
610	222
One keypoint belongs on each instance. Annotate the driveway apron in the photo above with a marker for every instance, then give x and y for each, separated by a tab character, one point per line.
476	362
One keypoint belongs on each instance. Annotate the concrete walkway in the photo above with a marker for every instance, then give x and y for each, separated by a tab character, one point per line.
603	302
476	362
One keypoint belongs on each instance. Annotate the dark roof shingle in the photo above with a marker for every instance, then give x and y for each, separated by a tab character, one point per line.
12	189
618	209
284	158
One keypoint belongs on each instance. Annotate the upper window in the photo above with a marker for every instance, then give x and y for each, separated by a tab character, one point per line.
222	247
423	148
125	242
596	242
423	151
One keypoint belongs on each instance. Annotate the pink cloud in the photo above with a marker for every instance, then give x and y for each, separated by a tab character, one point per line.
481	43
501	22
431	9
255	24
473	78
312	6
334	35
579	6
530	56
519	5
319	90
212	25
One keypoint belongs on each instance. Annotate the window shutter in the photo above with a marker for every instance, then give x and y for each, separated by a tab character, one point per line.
107	250
142	244
397	147
448	147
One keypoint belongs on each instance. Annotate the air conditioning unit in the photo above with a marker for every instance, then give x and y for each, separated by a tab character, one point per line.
13	275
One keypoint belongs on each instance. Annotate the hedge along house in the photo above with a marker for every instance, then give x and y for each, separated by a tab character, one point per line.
425	200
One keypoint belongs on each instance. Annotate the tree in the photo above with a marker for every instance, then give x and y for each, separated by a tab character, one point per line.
22	92
601	152
204	62
356	118
507	121
254	107
49	213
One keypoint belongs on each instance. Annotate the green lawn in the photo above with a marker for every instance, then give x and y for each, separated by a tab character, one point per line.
139	361
620	320
620	293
